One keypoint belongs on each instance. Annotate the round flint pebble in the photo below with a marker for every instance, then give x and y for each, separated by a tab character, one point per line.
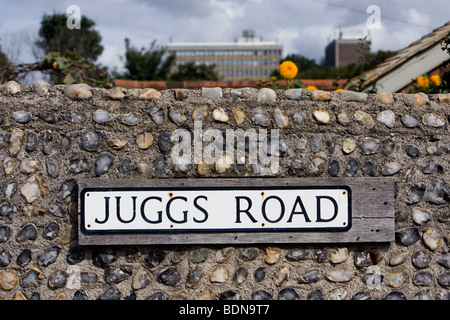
49	256
299	117
75	255
75	117
333	168
351	168
165	141
177	116
6	209
259	117
5	257
51	231
369	145
266	95
78	164
160	164
49	117
28	232
412	151
288	294
409	121
11	87
261	294
21	116
421	259
157	115
101	116
24	258
5	232
364	118
57	279
387	118
131	119
103	163
90	139
440	194
201	113
281	118
260	274
415	194
407	236
391	168
433	167
212	93
169	276
79	91
293	94
310	276
31	141
433	120
322	116
41	88
104	257
220	115
112	293
32	278
66	188
388	147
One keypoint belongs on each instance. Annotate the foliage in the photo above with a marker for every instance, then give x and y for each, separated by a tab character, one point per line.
276	84
363	60
72	68
191	72
366	61
312	70
67	69
3	59
146	64
68	54
445	81
5	72
288	70
434	83
429	84
56	37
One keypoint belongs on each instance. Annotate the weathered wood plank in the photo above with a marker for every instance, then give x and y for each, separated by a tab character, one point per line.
372	213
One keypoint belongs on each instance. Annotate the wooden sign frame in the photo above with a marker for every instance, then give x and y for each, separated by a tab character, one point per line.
372	213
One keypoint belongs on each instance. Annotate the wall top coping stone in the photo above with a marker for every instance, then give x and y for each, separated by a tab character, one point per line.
264	95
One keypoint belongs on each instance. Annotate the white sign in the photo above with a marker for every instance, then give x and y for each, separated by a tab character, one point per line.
215	209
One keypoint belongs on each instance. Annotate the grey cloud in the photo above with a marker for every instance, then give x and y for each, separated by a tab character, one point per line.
303	26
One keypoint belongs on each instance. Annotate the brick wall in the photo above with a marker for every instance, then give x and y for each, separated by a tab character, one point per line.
323	84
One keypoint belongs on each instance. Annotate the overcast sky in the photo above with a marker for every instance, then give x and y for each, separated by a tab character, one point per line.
302	26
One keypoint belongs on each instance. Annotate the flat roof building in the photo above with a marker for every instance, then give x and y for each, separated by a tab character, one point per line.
345	50
247	58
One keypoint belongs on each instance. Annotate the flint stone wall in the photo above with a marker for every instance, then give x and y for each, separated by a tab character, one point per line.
51	136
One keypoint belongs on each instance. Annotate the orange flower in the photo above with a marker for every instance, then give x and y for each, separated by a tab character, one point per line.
422	82
436	79
340	89
288	70
311	88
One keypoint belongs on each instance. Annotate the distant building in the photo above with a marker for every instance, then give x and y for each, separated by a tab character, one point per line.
247	58
345	50
396	74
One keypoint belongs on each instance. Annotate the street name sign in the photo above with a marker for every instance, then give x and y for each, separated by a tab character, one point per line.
240	210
